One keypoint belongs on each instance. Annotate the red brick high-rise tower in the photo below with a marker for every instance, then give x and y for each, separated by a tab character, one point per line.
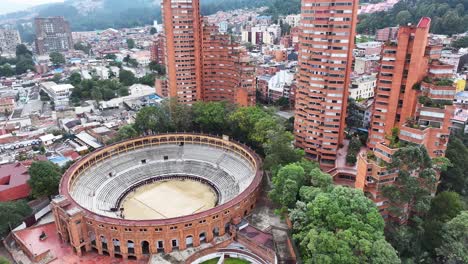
325	59
203	64
182	31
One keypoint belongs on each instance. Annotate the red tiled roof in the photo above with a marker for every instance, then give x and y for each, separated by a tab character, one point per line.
13	182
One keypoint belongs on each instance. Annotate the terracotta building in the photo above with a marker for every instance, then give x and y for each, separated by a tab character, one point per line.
413	102
402	66
182	38
13	182
202	63
325	61
157	50
228	74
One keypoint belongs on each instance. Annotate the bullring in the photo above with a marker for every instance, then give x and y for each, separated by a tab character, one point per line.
89	212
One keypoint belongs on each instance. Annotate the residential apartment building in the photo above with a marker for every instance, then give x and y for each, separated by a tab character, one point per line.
228	73
52	35
202	63
157	50
9	39
362	87
326	42
403	65
182	36
414	95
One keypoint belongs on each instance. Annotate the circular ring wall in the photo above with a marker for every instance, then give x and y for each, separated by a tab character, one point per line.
88	213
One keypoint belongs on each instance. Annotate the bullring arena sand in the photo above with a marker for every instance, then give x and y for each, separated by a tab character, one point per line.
167	199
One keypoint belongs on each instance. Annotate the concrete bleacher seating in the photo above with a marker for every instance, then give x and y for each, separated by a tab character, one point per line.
100	187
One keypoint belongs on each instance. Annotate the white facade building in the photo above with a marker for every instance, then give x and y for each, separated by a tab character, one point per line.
59	93
362	87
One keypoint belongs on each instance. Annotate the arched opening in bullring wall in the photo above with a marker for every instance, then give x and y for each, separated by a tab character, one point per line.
104	242
216	231
202	237
83	249
116	244
189	241
130	247
175	244
145	247
160	246
92	238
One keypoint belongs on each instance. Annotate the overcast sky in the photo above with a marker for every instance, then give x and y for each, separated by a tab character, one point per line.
7	6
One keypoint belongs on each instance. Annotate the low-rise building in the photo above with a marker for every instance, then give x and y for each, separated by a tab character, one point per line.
59	93
13	182
7	105
362	87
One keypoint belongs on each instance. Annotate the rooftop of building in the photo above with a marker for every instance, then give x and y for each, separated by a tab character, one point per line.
12	175
58	251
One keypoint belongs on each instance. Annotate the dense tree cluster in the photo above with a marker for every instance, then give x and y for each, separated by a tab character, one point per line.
12	214
44	178
330	224
257	127
448	16
18	65
99	90
57	58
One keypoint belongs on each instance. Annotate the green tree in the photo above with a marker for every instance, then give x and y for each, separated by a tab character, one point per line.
286	185
130	43
6	71
75	78
57	58
153	31
460	43
211	117
279	149
180	115
110	57
160	69
403	17
126	132
127	78
86	48
151	120
341	226
44	178
24	64
57	78
456	177
148	79
454	244
12	214
22	50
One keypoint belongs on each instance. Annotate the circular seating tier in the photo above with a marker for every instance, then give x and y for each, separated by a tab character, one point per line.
100	188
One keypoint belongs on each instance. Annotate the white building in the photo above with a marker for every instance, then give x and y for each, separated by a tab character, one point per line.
362	87
293	20
279	84
102	72
136	91
59	93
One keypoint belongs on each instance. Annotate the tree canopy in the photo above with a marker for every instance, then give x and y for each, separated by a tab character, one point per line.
12	214
454	246
44	178
341	226
57	58
448	17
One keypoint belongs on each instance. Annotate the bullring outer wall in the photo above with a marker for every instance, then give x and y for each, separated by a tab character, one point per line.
86	230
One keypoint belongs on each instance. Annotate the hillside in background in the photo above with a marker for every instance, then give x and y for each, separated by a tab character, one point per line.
448	16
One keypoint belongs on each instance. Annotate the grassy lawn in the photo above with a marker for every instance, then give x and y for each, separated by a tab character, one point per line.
227	261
